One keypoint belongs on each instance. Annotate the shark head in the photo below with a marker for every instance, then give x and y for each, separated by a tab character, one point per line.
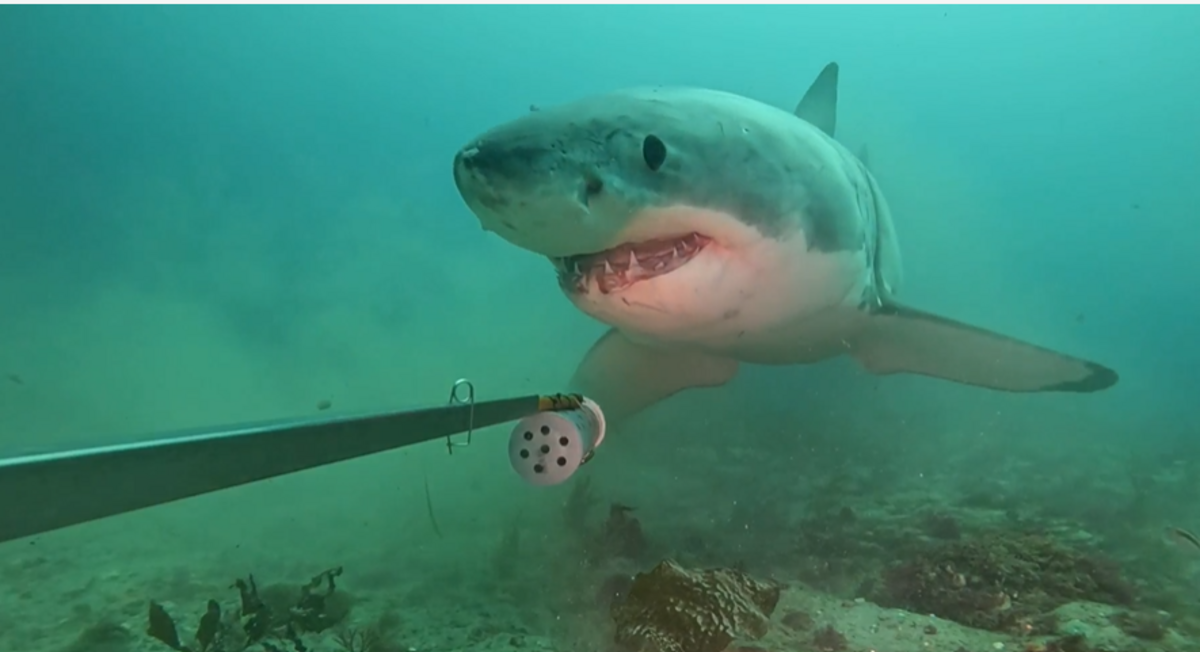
662	210
591	185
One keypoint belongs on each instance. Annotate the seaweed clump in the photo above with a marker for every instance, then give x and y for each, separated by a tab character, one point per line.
828	639
257	621
1001	581
672	609
619	537
622	536
375	637
1143	625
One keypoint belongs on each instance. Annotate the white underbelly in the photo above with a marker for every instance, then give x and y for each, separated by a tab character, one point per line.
769	303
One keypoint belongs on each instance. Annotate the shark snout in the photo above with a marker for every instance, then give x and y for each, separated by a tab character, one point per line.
526	192
482	171
498	161
465	176
497	173
486	179
470	158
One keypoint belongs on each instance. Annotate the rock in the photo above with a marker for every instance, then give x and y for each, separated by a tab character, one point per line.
672	609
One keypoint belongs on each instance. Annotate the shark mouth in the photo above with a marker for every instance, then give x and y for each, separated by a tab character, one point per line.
620	267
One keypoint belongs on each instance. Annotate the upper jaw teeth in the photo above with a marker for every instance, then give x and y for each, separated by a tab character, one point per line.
620	266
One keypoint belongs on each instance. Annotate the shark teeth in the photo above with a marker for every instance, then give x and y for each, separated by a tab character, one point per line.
622	266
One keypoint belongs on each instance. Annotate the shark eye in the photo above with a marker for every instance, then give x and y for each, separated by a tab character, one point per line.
654	152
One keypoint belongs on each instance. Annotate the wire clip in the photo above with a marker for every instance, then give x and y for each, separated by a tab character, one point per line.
456	398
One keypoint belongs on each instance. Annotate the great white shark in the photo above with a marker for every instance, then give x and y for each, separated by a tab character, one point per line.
708	230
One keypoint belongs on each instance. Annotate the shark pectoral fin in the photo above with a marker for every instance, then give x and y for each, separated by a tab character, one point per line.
625	378
899	339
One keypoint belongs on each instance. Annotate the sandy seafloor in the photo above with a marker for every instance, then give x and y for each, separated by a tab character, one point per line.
514	568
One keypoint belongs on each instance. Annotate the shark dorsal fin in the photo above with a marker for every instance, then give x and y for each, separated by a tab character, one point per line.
819	106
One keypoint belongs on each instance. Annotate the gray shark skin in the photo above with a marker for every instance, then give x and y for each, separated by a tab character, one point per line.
708	230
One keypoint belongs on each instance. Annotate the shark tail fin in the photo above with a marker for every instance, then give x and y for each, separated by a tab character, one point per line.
898	339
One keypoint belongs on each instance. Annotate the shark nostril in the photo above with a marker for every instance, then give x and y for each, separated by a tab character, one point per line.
594	186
